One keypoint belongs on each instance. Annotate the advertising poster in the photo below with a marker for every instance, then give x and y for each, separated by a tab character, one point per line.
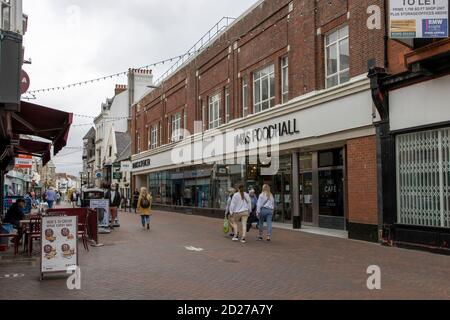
418	19
59	244
102	206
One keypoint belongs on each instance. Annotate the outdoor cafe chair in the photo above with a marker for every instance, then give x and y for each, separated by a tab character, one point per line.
83	229
33	232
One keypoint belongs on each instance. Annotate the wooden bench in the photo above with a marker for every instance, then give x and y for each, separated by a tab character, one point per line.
16	241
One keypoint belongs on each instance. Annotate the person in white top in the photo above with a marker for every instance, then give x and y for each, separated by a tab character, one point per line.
264	211
240	209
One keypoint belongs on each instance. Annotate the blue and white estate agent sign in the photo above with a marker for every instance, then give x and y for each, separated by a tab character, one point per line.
418	19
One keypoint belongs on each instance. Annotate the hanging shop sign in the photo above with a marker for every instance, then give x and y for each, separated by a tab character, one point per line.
24	82
418	19
125	166
59	251
24	162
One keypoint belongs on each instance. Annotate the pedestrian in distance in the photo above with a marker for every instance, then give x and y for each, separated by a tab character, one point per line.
240	209
231	193
114	197
264	211
135	200
50	196
144	207
253	218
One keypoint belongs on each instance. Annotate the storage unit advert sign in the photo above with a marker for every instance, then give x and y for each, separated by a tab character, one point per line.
418	19
59	244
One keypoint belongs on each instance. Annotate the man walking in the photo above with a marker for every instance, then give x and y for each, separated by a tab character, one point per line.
50	195
114	197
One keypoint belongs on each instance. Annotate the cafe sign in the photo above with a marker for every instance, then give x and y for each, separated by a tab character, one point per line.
418	19
59	246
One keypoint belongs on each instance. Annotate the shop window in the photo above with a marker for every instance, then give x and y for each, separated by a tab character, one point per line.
214	111
337	54
423	178
285	79
264	89
331	158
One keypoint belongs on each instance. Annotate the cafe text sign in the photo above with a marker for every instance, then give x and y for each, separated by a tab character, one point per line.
59	250
418	19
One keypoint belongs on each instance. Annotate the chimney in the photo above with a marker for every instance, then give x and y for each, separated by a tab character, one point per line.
120	88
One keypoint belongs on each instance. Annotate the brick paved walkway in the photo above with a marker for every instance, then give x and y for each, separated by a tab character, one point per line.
136	264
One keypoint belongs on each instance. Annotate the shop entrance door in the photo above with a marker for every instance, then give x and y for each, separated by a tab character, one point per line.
322	189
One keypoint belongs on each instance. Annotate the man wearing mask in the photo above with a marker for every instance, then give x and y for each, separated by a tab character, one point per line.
114	197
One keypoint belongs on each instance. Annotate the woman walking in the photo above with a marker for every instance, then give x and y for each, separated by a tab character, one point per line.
144	207
240	209
264	211
231	193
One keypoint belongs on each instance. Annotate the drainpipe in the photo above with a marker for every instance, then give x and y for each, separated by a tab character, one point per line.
386	169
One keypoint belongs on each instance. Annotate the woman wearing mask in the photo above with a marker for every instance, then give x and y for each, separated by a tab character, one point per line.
240	209
264	211
144	207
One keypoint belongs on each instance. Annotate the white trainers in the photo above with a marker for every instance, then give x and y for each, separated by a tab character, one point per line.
243	241
235	239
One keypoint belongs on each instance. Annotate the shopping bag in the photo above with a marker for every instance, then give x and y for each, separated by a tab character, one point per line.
226	226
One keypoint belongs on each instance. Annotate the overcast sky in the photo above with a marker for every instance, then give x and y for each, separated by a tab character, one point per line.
71	41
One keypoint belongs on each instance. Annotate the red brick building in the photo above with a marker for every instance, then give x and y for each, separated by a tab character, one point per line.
295	69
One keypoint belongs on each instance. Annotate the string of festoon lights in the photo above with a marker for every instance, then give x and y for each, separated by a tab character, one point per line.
111	76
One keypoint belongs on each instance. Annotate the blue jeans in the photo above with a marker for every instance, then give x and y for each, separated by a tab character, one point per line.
265	215
50	204
145	220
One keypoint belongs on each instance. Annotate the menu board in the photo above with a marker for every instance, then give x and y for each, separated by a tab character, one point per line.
59	244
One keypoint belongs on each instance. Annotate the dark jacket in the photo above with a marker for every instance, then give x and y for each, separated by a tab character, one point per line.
115	203
14	215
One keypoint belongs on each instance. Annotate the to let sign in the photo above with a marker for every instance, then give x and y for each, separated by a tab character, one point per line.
418	19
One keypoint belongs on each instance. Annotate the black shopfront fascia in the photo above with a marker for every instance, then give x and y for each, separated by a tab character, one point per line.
390	231
10	70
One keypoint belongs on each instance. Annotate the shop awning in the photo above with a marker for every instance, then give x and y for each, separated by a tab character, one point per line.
34	148
43	122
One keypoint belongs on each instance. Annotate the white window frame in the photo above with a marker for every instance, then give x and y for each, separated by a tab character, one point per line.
227	105
214	118
258	77
337	42
5	5
285	84
153	137
245	96
176	127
